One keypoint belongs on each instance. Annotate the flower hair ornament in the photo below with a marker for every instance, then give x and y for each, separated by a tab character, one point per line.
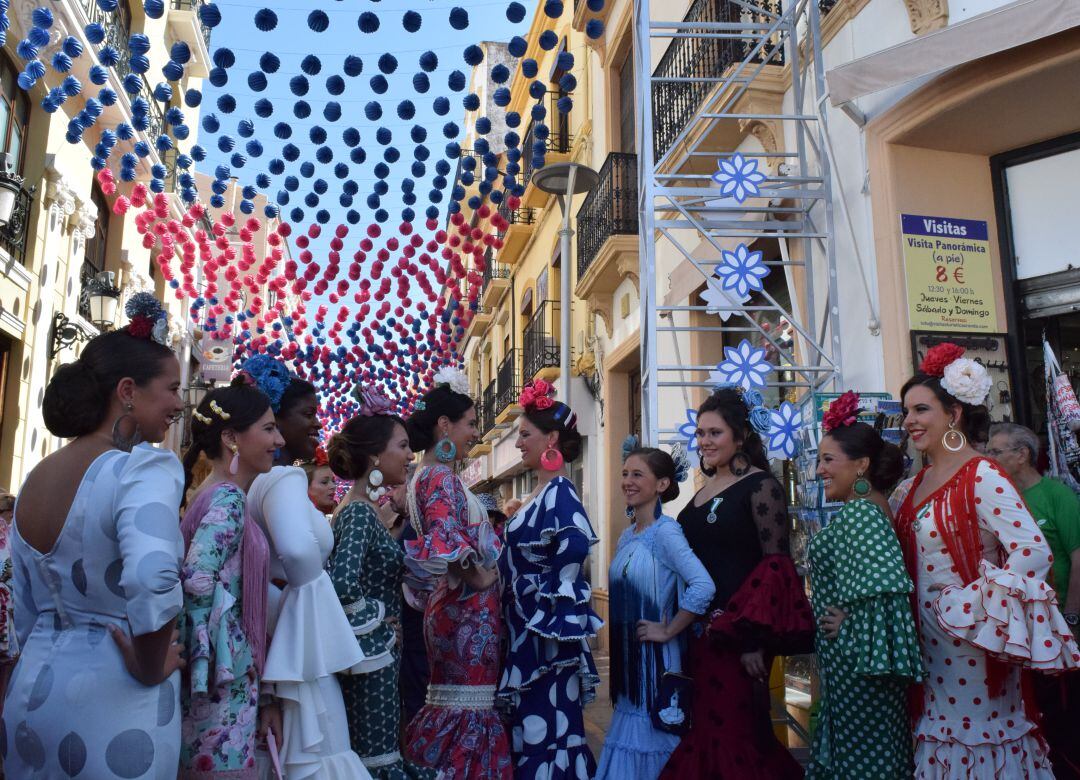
269	375
320	458
630	443
372	401
682	462
148	318
964	379
454	378
536	396
842	411
757	413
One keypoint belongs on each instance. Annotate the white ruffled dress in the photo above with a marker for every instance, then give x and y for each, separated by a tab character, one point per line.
1009	613
312	639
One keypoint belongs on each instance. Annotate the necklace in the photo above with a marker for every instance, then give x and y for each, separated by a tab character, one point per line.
711	517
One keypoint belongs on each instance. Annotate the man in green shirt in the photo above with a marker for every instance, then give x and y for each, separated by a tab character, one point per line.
1056	509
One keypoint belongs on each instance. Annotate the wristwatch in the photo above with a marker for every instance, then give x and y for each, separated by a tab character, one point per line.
1072	618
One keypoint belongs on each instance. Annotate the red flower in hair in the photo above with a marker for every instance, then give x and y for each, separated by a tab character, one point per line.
842	411
537	395
320	456
140	327
937	358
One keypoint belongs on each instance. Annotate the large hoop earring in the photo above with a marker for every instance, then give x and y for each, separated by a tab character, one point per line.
446	450
708	472
739	463
955	446
119	440
551	459
861	487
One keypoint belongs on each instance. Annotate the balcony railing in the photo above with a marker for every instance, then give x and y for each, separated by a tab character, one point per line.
15	235
487	406
508	385
117	32
523	215
700	59
559	139
541	343
493	270
193	6
609	210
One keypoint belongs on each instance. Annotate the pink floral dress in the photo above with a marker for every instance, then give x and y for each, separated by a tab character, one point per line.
220	694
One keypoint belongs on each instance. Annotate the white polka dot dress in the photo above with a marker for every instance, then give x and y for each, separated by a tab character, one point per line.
72	709
1004	619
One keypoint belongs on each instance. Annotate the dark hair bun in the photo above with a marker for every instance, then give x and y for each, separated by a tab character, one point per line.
351	449
570	444
74	403
438	402
671	493
887	467
662	466
860	440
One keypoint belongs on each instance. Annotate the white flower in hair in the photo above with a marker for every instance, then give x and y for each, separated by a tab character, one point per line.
967	380
455	378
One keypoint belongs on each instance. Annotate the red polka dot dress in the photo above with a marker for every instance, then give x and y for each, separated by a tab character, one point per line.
985	612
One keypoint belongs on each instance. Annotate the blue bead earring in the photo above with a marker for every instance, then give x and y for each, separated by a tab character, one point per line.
446	450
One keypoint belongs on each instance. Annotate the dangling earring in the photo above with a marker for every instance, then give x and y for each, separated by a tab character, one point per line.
631	513
551	459
739	463
658	509
446	450
708	472
958	435
119	440
375	490
861	487
234	464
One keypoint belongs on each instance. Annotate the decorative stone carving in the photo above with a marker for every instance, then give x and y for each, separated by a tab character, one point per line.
927	15
59	197
628	267
601	306
83	218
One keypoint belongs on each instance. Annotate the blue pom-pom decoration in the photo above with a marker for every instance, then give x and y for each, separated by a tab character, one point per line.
210	15
368	22
517	46
266	20
411	21
269	62
429	61
311	65
318	21
459	18
594	29
515	12
354	66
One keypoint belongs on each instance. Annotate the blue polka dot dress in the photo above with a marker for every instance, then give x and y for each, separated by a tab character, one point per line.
549	673
72	709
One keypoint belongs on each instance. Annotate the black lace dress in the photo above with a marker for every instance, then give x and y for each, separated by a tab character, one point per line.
741	536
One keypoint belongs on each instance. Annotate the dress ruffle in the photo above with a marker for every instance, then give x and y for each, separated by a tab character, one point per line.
634	747
770	609
430	556
439	736
571	763
209	648
880	639
313	637
306	717
1012	753
1010	616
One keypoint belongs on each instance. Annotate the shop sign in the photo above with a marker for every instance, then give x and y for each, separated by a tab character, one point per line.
474	471
950	281
215	359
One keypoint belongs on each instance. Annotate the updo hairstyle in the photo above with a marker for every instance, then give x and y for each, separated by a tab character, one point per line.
245	404
728	403
561	419
974	418
860	440
351	449
438	402
662	466
78	396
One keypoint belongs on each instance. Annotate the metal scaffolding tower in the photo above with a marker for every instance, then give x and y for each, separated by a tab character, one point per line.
697	82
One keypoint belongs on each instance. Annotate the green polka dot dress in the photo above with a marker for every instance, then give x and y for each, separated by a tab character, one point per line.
863	729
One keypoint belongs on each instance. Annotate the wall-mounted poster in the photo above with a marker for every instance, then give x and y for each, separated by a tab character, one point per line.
950	282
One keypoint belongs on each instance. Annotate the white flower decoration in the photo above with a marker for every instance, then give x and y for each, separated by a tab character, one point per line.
722	303
454	377
967	380
738	177
160	332
741	271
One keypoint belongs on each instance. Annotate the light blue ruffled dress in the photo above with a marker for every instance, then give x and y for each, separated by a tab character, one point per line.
653	575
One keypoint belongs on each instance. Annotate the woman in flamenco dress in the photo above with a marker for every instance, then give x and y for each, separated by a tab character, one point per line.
979	563
737	525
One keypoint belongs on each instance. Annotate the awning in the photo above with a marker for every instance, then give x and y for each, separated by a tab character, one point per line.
995	31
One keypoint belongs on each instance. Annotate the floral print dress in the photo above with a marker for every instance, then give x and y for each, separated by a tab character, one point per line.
220	695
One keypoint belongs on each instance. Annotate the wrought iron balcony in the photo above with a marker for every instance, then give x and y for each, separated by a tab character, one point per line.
699	60
15	235
558	140
507	384
193	6
493	270
487	411
609	210
540	340
523	215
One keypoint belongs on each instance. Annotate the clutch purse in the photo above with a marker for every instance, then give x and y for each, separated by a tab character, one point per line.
673	704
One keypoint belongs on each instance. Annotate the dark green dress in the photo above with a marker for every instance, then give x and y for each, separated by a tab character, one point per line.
863	730
367	567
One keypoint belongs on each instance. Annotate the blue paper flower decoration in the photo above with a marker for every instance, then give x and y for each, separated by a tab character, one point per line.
738	177
266	20
688	430
744	365
318	21
784	435
741	271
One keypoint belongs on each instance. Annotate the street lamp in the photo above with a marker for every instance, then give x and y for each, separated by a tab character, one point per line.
10	186
564	180
102	297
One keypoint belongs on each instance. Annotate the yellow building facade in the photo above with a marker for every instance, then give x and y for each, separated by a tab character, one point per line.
64	232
